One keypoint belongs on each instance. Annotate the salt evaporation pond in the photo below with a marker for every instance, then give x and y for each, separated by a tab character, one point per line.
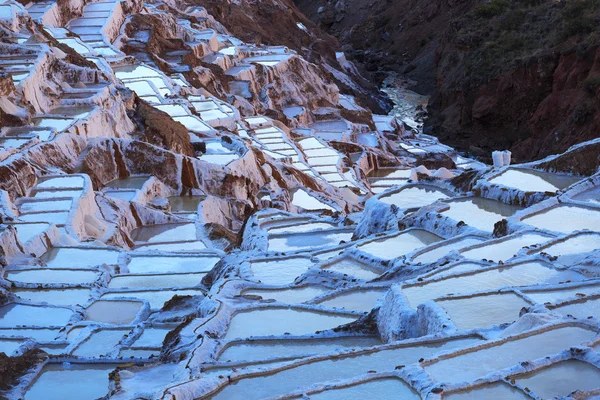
581	309
438	251
517	275
399	245
57	297
414	196
113	311
561	379
100	343
589	196
343	367
565	219
355	300
299	228
475	364
187	204
504	249
8	346
280	272
39	334
570	251
88	381
479	212
156	298
561	294
163	264
155	281
529	180
301	198
466	313
377	389
265	322
13	315
289	296
164	233
66	276
492	391
79	258
309	240
258	350
355	268
133	182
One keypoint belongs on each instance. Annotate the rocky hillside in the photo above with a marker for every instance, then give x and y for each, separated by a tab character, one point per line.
522	75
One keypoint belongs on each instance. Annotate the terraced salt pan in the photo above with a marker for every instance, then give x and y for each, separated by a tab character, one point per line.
479	212
56	382
46	205
113	311
438	251
258	350
483	311
79	258
26	232
301	198
375	389
528	273
556	295
185	203
561	379
312	240
191	246
133	182
63	182
152	337
164	233
155	281
265	322
581	309
289	296
66	276
57	297
344	367
493	391
353	267
399	245
300	228
414	196
13	315
590	196
505	248
9	346
455	270
280	272
476	364
162	264
533	181
39	335
355	300
51	194
565	219
571	250
156	298
101	343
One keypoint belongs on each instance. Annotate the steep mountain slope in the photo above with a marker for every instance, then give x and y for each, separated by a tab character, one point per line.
522	75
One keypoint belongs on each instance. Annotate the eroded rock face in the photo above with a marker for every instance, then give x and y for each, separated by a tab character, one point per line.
12	368
158	128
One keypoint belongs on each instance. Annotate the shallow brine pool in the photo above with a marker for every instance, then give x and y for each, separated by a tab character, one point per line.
529	180
399	245
479	212
266	322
